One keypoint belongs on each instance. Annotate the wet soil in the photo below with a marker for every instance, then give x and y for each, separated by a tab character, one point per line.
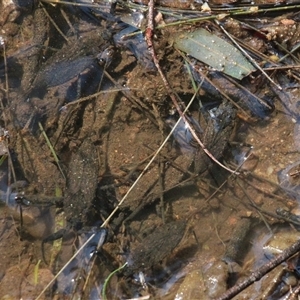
105	117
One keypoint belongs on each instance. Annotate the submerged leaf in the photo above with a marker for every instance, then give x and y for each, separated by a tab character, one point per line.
215	52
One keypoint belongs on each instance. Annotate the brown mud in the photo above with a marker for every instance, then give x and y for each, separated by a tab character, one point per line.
103	106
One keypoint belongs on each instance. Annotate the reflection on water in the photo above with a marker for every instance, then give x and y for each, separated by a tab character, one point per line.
74	280
289	179
183	135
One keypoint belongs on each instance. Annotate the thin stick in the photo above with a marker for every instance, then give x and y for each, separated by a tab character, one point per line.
72	3
120	203
294	293
148	165
290	53
253	204
282	68
266	37
248	56
273	215
219	189
259	273
247	91
95	95
64	267
230	13
2	43
217	231
211	83
51	149
10	162
54	24
149	34
144	109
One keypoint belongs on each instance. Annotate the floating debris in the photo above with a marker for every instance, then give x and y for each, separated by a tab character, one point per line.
215	52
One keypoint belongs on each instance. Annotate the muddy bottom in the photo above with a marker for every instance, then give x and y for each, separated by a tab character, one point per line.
83	115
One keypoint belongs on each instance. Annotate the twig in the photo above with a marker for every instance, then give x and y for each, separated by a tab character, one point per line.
149	35
253	204
230	13
289	53
217	231
294	293
73	4
258	274
147	166
83	99
273	215
241	87
2	43
282	68
190	65
247	55
64	267
219	189
260	32
54	24
52	150
11	169
104	224
134	100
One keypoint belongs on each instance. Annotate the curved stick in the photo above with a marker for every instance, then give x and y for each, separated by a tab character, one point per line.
258	274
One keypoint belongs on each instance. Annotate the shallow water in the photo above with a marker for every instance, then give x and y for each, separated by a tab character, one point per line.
174	234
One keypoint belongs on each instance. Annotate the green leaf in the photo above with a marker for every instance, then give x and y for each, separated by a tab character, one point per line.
215	52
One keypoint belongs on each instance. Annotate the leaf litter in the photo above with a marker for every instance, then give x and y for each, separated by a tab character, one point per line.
215	52
105	141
